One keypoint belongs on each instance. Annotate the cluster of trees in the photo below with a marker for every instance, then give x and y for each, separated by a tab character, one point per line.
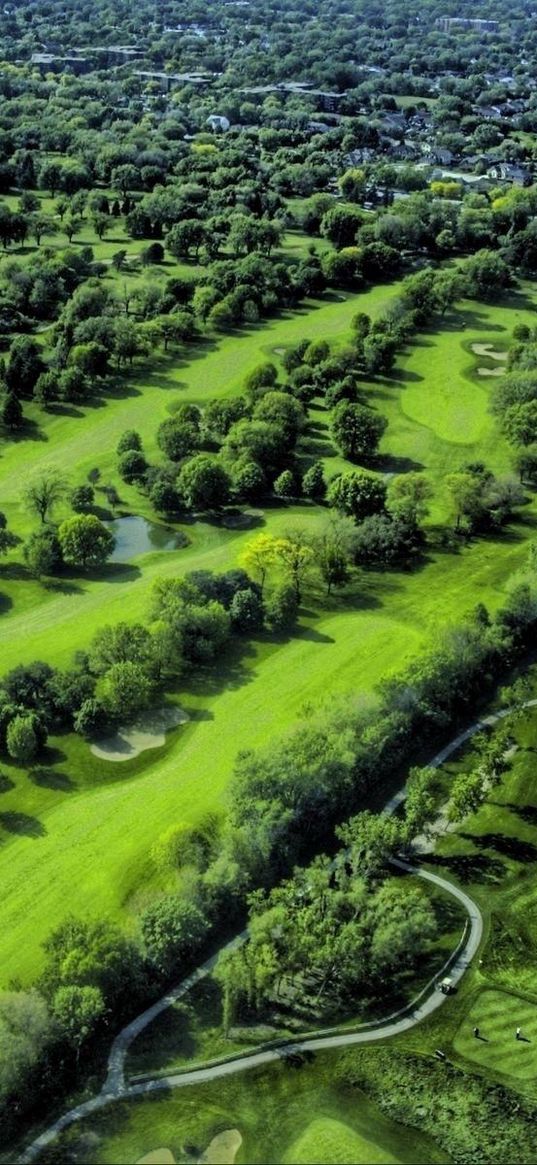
335	929
336	924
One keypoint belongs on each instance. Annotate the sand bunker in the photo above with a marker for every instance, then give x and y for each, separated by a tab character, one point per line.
157	1157
149	731
223	1148
490	371
490	351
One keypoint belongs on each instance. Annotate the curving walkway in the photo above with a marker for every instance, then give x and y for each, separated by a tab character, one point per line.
115	1088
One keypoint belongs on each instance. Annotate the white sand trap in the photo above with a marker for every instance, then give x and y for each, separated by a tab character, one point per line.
279	351
490	351
157	1157
490	371
223	1148
149	731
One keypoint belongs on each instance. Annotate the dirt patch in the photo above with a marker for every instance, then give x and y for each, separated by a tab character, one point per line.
149	731
157	1157
490	351
223	1148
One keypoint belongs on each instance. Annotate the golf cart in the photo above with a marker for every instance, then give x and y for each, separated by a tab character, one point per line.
445	986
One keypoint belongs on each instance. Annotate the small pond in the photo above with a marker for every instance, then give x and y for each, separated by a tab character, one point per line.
136	536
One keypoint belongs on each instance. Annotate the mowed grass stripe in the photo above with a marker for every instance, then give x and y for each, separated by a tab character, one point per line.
497	1014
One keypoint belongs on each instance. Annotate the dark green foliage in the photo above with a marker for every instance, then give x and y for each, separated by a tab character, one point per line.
281	608
82	498
11	413
357	494
246	611
357	430
132	466
129	441
42	553
204	483
173	933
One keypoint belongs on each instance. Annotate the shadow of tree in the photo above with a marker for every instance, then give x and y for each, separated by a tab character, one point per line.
469	868
527	813
49	778
6	783
511	847
22	824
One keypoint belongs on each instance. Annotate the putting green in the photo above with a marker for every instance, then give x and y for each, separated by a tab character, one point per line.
334	1143
497	1014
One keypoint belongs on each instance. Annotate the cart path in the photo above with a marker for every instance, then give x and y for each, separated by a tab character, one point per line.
115	1088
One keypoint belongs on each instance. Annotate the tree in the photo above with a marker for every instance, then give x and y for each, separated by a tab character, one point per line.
419	801
120	643
129	440
44	491
467	795
313	483
100	223
25	1031
466	491
285	485
82	498
259	556
11	413
42	553
132	466
21	739
173	931
204	483
7	539
370	839
77	1011
125	689
404	922
358	494
520	423
281	608
357	430
85	541
409	494
296	557
246	611
24	366
487	274
177	439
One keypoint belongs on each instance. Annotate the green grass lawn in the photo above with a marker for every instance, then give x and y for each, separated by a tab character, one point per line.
90	819
283	1113
334	1143
497	1014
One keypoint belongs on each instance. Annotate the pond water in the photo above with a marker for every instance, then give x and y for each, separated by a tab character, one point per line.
136	536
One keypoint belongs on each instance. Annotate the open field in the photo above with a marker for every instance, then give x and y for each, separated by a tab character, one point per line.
81	813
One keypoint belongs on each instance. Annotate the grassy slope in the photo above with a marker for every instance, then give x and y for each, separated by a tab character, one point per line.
104	825
275	1110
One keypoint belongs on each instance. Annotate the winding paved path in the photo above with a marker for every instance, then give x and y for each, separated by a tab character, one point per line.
115	1088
